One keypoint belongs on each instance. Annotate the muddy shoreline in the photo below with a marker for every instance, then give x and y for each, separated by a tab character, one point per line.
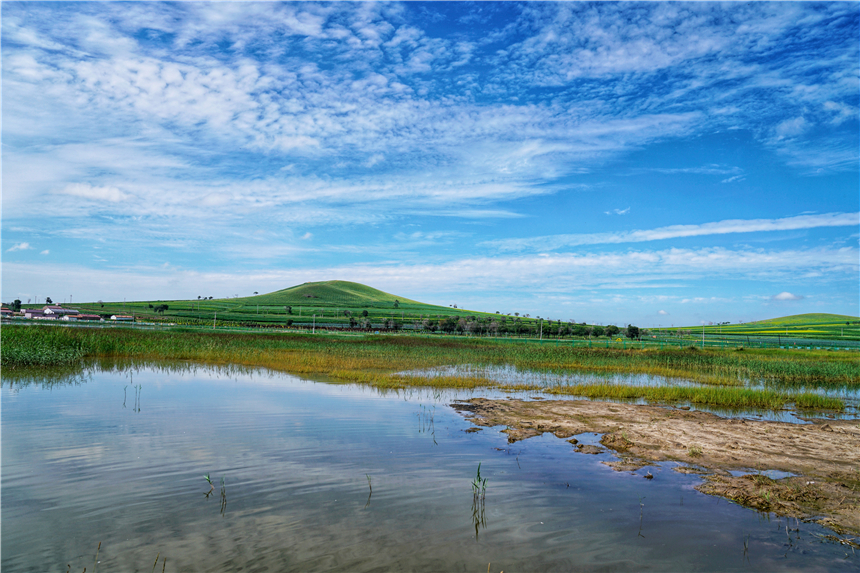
824	455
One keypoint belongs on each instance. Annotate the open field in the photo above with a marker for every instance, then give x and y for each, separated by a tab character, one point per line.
339	304
782	377
343	305
786	328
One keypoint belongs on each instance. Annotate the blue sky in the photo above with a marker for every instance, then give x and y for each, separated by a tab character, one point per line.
655	164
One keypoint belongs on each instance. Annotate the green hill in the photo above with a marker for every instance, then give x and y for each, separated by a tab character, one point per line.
329	293
326	303
807	320
801	326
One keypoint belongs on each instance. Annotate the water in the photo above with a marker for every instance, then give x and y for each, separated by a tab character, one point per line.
511	375
119	458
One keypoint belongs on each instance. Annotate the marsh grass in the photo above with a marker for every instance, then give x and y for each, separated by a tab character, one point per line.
380	361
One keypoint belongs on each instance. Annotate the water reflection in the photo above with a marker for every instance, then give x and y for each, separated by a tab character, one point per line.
336	477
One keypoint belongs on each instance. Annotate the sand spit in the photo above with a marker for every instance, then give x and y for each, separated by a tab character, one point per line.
824	456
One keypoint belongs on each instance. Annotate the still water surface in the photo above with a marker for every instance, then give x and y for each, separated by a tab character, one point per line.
119	458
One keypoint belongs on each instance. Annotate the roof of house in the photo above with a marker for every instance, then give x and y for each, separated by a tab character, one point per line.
57	309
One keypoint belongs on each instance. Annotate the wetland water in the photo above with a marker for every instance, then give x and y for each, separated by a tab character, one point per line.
118	458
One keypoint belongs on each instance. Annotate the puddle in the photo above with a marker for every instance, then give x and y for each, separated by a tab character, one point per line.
512	375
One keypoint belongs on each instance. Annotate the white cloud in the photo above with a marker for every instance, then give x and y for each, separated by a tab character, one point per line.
618	211
553	242
785	295
615	271
19	247
791	127
87	191
663	312
45	252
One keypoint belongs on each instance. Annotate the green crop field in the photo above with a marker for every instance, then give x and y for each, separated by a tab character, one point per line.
799	328
334	304
352	306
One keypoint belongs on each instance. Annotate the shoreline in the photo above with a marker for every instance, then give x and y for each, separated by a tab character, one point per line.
823	456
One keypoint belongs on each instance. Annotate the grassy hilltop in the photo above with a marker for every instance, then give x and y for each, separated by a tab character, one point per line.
344	304
335	303
812	326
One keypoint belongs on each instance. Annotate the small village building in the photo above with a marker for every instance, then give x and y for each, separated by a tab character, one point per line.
37	314
93	317
6	312
58	311
122	318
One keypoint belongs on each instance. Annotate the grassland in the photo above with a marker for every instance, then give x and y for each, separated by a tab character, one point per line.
360	308
339	304
382	360
786	328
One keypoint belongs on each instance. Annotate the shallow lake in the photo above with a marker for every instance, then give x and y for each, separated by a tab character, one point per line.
119	458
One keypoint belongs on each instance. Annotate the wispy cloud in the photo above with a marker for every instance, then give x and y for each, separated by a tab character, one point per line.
19	247
555	242
785	295
225	134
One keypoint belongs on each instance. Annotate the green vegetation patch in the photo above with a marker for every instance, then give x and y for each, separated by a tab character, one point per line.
378	360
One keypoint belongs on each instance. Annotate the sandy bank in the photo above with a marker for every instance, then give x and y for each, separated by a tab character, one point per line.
825	454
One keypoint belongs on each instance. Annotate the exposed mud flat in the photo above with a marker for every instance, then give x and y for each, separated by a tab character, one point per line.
824	456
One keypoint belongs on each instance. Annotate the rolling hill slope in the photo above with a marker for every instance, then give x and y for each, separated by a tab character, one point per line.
328	293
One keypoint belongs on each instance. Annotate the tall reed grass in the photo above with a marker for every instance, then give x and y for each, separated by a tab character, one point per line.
376	360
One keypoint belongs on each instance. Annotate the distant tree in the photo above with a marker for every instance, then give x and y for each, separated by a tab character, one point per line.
289	322
198	297
352	322
579	330
150	305
49	301
210	298
289	309
255	292
612	330
16	305
396	304
598	331
161	308
347	313
455	306
448	324
632	331
364	313
516	314
497	312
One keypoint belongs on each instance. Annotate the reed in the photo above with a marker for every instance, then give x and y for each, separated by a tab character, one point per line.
378	360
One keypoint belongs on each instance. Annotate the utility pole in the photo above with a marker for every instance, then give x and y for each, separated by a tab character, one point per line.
213	321
314	331
541	329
